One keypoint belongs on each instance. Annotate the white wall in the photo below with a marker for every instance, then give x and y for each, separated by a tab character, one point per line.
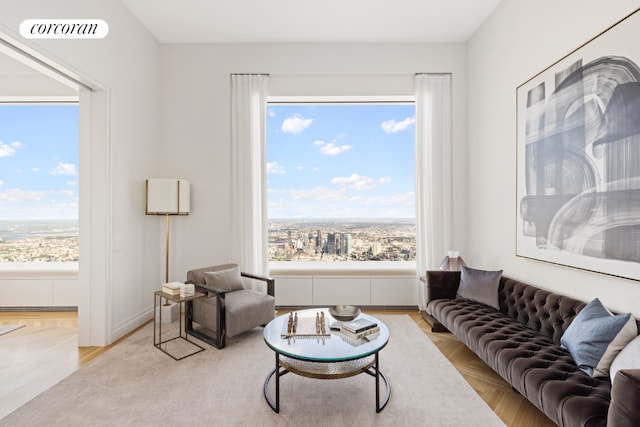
520	39
125	63
195	129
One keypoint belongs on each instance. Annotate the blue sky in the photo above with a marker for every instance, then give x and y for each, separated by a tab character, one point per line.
38	162
340	161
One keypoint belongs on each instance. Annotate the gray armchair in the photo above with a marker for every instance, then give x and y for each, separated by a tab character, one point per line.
230	308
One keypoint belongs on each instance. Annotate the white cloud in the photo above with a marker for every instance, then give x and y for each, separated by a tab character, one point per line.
295	124
391	126
271	112
16	144
331	149
35	170
17	195
274	167
1	183
63	193
385	180
63	169
317	193
299	168
355	182
7	150
71	183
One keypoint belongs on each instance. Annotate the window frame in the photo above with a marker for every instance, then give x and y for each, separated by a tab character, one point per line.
341	268
35	269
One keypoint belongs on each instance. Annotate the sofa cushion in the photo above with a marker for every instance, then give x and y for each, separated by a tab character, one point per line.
480	286
628	358
227	280
596	336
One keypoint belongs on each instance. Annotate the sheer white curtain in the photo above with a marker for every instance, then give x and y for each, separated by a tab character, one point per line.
434	204
248	245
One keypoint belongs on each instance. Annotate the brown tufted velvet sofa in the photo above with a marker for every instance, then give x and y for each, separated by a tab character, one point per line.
521	342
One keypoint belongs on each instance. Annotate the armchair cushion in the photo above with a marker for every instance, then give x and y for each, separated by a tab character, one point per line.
227	280
246	309
197	275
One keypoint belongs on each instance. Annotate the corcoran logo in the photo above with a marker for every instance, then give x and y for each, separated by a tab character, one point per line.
64	29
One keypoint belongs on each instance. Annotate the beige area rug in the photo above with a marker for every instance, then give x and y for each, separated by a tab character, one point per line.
135	384
5	329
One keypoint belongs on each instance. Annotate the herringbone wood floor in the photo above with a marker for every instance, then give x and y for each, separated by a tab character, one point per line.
48	346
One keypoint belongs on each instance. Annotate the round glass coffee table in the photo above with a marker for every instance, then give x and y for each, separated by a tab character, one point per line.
328	354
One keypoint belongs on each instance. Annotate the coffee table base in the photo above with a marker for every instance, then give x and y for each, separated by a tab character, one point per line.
326	370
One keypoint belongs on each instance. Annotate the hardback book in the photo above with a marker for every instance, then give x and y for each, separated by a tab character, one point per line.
363	334
358	325
172	288
171	291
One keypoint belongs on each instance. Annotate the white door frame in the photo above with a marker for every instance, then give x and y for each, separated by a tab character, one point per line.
95	265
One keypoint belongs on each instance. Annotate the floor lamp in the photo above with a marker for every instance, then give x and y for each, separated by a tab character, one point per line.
167	197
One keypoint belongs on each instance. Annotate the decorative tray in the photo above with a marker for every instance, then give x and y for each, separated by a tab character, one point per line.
306	327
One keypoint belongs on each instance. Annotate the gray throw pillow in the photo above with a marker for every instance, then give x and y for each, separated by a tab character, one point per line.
480	286
595	337
227	280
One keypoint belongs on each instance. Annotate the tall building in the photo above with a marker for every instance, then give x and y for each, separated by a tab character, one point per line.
347	247
331	243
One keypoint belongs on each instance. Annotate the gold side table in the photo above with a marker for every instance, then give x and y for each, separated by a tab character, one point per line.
182	333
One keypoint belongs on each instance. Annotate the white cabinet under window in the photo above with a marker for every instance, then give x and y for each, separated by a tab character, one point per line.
361	290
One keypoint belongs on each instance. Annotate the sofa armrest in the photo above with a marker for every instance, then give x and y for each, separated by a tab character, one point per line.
271	283
625	394
442	284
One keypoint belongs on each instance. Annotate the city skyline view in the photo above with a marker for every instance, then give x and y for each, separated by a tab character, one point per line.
325	240
38	161
340	160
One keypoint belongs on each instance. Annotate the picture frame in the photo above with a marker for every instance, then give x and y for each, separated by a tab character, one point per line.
578	157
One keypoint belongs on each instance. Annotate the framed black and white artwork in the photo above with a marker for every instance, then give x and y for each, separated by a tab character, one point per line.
578	156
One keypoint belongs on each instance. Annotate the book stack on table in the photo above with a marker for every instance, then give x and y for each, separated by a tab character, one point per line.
172	288
359	328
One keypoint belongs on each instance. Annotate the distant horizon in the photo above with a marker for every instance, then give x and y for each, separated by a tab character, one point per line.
329	219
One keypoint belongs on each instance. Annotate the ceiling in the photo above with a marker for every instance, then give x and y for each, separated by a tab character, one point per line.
307	21
278	21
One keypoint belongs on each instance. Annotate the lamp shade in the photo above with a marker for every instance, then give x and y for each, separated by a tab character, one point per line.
167	196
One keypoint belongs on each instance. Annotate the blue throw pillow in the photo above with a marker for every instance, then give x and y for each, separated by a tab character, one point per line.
596	336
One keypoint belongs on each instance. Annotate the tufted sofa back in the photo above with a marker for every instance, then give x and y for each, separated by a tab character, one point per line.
543	311
546	312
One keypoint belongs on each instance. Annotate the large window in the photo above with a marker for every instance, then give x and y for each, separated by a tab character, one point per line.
38	183
340	182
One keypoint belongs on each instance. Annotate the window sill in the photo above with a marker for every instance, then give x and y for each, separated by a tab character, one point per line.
343	268
38	270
